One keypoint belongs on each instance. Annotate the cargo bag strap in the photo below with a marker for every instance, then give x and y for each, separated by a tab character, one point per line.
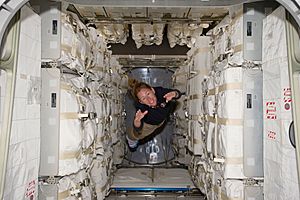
225	87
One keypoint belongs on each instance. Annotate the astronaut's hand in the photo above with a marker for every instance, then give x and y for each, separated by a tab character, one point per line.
139	115
169	96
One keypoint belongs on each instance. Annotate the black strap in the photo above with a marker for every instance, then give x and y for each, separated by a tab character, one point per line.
292	134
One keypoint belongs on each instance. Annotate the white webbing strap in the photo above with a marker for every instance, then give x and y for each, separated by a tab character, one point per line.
201	50
63	195
224	121
106	136
71	88
219	160
224	87
79	116
66	155
69	115
155	29
197	141
90	150
221	121
218	191
98	68
195	96
209	118
196	117
234	160
194	73
212	91
230	122
68	87
141	29
80	102
237	48
216	138
230	86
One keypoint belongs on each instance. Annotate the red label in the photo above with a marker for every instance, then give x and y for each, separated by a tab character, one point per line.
271	135
287	98
30	190
271	110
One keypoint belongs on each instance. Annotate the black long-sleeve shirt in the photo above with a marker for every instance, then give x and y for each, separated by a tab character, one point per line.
158	114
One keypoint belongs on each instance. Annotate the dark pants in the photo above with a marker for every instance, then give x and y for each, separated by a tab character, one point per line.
147	130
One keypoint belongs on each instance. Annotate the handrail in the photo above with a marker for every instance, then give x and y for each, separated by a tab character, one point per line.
10	67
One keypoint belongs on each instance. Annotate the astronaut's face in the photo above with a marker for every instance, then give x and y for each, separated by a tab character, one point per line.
147	96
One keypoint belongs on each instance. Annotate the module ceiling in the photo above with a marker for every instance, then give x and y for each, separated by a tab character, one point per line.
131	15
158	3
204	13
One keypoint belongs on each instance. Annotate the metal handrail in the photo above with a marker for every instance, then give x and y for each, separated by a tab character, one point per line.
10	67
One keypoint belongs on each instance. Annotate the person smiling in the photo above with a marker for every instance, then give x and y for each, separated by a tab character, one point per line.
153	105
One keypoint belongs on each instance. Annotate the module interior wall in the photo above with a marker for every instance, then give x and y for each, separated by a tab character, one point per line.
23	159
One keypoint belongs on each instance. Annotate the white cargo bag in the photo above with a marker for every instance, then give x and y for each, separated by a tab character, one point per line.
239	112
76	136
